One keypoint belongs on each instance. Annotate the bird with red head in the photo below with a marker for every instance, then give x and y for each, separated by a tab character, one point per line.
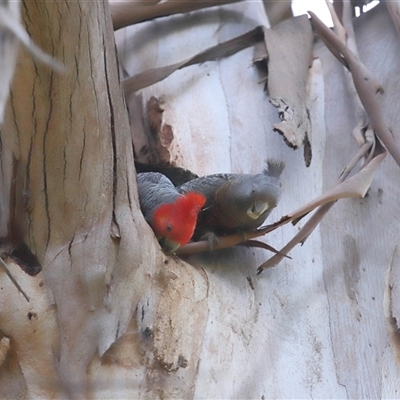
171	215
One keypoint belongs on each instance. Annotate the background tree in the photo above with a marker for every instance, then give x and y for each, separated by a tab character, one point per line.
110	316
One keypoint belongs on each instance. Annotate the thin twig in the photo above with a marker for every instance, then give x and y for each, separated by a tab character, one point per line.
13	280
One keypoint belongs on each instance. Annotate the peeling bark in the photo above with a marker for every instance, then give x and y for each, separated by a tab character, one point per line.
289	45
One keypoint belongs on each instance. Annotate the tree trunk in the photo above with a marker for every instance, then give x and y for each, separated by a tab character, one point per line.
319	325
110	316
67	171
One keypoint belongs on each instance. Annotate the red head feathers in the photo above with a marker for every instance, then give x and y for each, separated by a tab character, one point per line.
177	221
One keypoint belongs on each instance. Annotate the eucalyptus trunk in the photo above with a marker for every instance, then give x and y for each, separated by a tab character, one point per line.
109	315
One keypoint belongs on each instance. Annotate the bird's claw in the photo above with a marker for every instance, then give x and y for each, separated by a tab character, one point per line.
212	240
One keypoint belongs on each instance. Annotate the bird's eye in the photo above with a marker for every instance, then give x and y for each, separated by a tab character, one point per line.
169	228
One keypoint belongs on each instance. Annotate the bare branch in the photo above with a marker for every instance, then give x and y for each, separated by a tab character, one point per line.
365	83
225	49
129	13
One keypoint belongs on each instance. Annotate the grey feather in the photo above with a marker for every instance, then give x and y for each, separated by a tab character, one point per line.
274	168
154	189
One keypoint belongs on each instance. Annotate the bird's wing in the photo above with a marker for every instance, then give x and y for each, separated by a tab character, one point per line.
206	185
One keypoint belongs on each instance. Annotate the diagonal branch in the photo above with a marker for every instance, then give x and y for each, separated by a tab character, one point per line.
225	49
3	265
312	223
129	13
365	83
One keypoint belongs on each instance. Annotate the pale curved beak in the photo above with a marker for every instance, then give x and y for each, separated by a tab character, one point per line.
168	246
257	208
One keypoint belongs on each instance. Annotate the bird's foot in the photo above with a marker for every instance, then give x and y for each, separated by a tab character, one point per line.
212	240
